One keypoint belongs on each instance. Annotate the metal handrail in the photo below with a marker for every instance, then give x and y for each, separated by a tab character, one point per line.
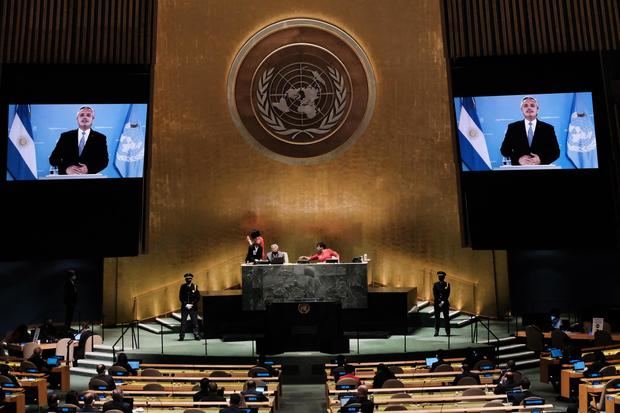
135	340
474	331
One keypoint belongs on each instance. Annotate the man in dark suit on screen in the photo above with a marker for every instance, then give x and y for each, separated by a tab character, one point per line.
81	151
530	141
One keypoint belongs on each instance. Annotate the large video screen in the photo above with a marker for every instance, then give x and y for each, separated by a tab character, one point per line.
76	141
526	132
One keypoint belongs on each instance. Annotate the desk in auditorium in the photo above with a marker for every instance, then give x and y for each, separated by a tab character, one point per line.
39	387
573	335
19	400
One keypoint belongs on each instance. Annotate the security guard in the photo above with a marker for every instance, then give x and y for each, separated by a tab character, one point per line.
189	297
441	295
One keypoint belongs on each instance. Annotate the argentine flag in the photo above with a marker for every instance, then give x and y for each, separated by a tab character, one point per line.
580	135
21	159
130	150
474	151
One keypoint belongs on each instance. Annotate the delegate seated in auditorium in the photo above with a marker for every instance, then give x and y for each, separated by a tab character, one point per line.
209	392
5	371
117	403
381	376
361	398
233	404
322	254
37	360
440	360
599	362
103	376
19	335
507	383
88	407
250	390
517	398
275	254
260	362
83	150
350	374
121	361
466	373
52	402
84	333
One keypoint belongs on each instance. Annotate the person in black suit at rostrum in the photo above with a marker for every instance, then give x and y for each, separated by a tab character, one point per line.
189	297
530	141
83	150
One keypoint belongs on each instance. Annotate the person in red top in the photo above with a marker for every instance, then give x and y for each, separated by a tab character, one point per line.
350	374
323	253
255	237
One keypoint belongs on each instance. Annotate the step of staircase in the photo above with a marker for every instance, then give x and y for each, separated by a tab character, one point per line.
103	348
502	340
83	371
177	316
515	356
97	355
92	363
155	328
511	347
461	321
169	323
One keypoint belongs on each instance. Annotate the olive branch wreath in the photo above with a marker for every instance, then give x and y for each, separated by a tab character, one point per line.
328	123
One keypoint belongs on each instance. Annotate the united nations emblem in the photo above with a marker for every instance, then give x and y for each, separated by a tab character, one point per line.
301	90
303	308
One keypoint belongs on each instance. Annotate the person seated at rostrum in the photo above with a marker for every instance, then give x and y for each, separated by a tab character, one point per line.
117	403
121	361
250	390
105	377
466	373
209	392
381	376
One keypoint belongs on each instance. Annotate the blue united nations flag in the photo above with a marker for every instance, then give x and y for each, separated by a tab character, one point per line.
130	151
580	136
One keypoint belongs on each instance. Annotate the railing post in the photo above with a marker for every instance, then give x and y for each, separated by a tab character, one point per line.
161	334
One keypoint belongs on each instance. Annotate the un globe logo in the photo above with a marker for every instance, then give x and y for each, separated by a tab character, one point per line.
301	91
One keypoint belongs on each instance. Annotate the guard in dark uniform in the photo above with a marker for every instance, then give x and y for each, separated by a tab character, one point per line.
189	297
441	295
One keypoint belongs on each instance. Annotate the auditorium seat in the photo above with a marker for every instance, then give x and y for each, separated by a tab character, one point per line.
26	365
151	373
466	381
602	338
396	369
348	381
114	411
483	365
192	411
608	371
600	404
220	373
153	387
392	384
95	384
115	369
473	392
28	350
4	380
443	367
255	371
400	396
259	383
559	339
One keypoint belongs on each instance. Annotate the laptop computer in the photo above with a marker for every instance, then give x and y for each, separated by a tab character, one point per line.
261	389
134	363
277	260
556	353
579	365
431	360
66	409
344	399
346	387
332	260
53	361
118	373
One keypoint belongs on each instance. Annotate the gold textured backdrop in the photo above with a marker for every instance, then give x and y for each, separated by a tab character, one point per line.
393	194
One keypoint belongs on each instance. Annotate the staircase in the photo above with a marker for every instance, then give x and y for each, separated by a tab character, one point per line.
164	325
510	349
102	354
426	312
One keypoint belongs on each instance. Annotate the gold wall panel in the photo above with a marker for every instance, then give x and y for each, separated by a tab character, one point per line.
393	194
